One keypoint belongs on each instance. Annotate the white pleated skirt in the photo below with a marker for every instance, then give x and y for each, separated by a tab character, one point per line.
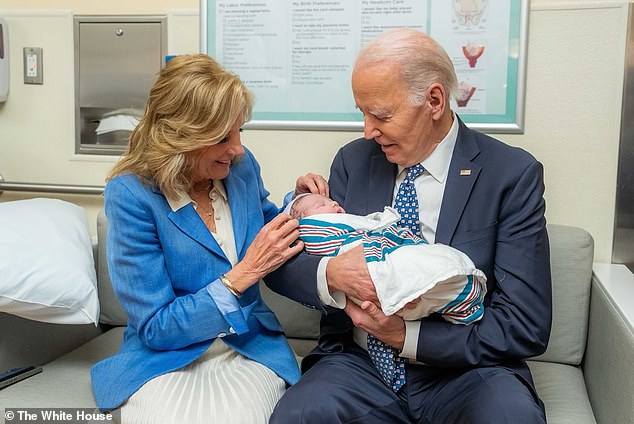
221	386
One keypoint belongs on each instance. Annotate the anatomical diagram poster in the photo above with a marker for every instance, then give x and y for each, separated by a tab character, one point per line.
296	56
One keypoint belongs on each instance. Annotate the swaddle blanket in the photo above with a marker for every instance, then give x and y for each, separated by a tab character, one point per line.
403	266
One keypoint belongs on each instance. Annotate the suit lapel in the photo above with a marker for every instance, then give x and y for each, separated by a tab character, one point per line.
463	173
381	180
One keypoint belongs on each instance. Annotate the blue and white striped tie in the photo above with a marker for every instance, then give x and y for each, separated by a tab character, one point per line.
385	358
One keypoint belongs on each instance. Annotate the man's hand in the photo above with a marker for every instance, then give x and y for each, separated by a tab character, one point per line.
349	274
370	317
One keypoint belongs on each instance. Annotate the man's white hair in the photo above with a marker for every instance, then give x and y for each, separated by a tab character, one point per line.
422	61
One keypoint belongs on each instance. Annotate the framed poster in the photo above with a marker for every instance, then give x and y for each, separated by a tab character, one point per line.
296	56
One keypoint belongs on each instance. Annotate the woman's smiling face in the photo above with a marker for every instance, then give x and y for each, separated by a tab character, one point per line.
213	162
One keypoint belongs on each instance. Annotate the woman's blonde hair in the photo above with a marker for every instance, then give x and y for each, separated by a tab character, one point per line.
193	104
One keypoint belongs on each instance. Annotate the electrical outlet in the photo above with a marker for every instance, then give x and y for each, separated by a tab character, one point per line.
33	65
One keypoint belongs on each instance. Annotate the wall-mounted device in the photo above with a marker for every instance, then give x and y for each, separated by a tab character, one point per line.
117	59
4	60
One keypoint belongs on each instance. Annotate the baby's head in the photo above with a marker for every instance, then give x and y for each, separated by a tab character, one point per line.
312	204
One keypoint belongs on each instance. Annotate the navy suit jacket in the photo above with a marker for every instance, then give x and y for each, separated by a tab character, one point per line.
495	215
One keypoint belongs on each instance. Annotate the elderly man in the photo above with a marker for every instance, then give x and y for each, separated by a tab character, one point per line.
453	186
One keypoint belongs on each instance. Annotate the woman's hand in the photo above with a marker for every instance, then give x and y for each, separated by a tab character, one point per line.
311	183
271	247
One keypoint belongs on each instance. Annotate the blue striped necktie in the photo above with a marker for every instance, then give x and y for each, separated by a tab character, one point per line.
385	358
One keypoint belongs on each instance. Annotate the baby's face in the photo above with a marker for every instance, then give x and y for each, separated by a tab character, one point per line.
313	204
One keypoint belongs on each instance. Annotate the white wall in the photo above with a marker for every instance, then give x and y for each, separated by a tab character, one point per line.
573	110
573	104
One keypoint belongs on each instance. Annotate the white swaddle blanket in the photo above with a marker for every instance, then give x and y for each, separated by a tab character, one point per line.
403	267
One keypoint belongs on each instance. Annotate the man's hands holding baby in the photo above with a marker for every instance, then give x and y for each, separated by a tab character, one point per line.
369	317
349	274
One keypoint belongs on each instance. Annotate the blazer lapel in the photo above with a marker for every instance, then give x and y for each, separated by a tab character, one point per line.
382	178
463	173
188	221
237	189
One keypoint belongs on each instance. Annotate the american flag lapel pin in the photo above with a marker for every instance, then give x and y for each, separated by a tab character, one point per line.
465	172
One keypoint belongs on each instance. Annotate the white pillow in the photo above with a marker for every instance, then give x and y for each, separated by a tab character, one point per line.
47	271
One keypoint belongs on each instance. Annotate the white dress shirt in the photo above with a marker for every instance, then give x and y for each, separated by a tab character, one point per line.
430	187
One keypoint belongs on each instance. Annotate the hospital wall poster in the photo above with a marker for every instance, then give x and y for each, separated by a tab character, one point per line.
296	56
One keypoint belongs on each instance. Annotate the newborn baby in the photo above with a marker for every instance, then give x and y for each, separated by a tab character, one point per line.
403	267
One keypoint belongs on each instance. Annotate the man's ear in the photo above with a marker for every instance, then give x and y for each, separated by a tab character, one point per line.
437	100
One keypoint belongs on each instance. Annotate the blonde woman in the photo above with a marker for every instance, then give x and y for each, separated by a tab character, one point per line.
191	232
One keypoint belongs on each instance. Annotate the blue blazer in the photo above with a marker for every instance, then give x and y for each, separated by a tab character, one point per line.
165	267
494	212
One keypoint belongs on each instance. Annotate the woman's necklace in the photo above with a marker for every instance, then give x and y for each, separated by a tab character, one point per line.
205	207
209	220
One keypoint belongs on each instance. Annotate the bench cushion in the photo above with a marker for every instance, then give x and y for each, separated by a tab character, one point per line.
111	311
571	255
65	382
563	391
